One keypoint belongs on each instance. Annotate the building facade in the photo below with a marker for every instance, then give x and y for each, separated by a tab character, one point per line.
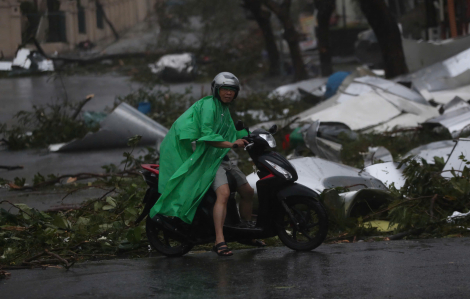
60	25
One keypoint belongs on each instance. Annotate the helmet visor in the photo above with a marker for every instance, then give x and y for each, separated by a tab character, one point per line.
229	88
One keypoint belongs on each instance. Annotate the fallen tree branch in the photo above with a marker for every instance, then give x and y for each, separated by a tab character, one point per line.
98	199
66	263
399	236
398	204
431	208
11	167
7	201
84	61
81	104
34	257
4	274
19	267
79	176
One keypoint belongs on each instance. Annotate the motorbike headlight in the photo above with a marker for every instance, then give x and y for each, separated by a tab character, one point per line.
278	168
269	139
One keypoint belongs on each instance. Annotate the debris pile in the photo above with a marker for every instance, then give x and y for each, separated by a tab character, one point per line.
175	67
27	61
419	104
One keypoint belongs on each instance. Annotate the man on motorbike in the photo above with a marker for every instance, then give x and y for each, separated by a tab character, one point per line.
186	175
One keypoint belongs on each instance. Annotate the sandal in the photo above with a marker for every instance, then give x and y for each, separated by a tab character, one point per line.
251	242
221	249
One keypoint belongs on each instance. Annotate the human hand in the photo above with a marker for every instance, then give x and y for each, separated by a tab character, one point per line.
239	143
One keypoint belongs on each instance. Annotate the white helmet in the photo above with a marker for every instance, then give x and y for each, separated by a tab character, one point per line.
225	79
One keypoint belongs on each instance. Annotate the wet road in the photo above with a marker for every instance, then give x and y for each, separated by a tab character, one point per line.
44	162
22	93
437	268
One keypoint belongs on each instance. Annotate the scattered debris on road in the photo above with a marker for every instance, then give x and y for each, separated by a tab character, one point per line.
175	67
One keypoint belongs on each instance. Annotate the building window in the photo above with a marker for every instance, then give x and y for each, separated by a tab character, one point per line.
81	18
99	16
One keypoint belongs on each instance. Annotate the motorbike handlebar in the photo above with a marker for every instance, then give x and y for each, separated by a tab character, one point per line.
249	145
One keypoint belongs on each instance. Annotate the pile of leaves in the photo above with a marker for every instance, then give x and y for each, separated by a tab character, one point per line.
101	227
428	198
419	209
47	124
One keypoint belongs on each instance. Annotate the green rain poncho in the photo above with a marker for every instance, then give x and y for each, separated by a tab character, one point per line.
185	176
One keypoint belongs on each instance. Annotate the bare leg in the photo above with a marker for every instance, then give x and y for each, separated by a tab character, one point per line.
246	204
220	211
246	201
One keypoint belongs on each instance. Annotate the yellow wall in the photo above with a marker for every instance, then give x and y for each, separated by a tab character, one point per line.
10	27
123	14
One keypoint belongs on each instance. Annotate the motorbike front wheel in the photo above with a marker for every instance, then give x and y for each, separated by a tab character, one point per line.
165	242
304	225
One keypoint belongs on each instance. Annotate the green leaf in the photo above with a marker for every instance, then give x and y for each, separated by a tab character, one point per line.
132	211
83	221
60	222
133	141
108	207
111	201
24	210
19	181
97	206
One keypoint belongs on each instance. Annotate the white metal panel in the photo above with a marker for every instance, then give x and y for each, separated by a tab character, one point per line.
462	147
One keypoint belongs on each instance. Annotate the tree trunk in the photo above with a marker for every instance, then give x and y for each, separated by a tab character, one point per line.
282	12
388	35
325	9
262	17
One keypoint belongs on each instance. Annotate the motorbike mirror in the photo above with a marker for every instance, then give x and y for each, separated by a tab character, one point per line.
239	125
273	129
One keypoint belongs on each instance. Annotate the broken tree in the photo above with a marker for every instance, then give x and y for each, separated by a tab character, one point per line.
325	9
282	11
388	35
262	17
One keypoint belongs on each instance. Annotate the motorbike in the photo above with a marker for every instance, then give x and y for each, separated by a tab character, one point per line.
286	209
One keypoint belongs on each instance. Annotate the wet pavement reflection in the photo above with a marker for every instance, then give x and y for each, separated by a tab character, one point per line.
22	93
437	268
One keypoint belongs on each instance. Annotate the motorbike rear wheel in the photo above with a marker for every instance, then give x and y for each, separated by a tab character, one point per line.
165	242
312	224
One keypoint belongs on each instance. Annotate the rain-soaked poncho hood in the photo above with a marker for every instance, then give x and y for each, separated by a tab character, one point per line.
185	176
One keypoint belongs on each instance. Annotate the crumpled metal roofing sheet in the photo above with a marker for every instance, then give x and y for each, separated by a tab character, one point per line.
433	149
319	174
387	173
365	84
462	147
124	122
448	74
358	113
455	121
292	90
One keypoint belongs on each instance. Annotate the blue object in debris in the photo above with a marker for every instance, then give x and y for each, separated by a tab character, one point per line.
334	81
144	107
